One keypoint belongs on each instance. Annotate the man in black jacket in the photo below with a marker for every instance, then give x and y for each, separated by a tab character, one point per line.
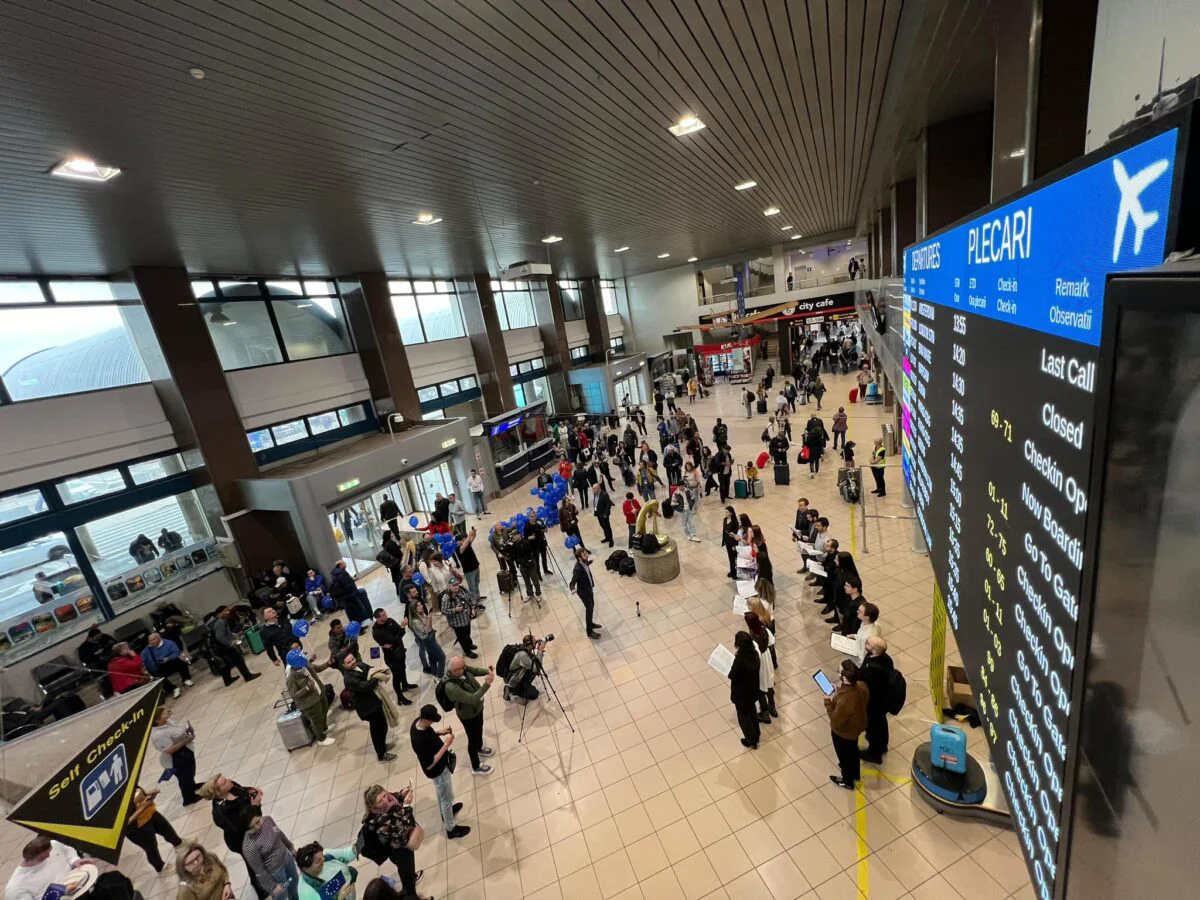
876	673
390	513
389	635
96	649
602	512
362	682
277	640
582	584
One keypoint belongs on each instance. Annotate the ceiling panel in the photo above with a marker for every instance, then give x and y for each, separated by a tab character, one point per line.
321	129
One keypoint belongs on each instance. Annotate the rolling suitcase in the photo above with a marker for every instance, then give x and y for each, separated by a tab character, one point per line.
758	486
293	730
504	582
853	395
761	406
783	474
740	489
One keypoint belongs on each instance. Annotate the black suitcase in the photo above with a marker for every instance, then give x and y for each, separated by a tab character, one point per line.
627	567
761	406
783	473
504	582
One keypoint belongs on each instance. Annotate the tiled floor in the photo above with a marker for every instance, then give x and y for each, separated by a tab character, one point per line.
640	789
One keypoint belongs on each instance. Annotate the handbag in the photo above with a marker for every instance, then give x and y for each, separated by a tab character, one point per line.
451	761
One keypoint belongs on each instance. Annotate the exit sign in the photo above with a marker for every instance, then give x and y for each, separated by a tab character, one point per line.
446	445
348	485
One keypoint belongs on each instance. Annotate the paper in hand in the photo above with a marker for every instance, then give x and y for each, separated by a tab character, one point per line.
843	644
817	569
721	659
745	589
740	607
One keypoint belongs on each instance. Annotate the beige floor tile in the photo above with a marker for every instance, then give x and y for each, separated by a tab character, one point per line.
537	871
729	860
603	838
647	857
571	854
663	885
748	887
615	874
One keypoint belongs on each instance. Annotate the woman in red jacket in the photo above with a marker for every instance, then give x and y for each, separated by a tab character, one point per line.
125	669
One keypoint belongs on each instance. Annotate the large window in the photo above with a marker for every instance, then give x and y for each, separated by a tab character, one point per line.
297	436
608	292
260	323
426	311
580	354
41	589
617	345
533	391
514	304
448	393
571	300
66	337
116	542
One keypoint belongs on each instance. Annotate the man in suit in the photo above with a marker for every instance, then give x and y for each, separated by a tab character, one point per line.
602	511
876	672
582	584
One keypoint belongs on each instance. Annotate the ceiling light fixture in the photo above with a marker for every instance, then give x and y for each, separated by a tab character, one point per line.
771	211
745	185
796	237
620	250
663	255
686	125
80	168
785	227
1017	154
197	73
426	218
693	258
551	239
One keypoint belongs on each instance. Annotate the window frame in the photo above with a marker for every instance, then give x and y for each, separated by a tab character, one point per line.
430	288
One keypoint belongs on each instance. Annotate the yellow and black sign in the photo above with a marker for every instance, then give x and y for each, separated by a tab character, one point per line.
87	801
937	656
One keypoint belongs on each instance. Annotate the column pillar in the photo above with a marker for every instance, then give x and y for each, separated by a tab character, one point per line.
957	169
1063	79
597	321
1017	28
904	220
886	247
380	347
482	323
552	323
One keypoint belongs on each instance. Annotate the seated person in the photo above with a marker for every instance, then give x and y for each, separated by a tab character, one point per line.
163	658
43	862
751	476
96	649
525	665
125	669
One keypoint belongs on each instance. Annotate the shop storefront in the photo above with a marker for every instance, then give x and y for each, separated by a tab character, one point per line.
732	359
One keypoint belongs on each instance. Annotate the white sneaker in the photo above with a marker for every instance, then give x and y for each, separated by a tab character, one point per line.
187	682
176	692
328	742
696	539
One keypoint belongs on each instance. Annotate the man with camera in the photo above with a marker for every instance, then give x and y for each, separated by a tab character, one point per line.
522	552
526	664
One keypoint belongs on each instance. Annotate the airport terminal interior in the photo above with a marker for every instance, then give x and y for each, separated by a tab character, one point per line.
312	309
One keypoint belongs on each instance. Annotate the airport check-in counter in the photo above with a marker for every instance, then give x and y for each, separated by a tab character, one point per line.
513	445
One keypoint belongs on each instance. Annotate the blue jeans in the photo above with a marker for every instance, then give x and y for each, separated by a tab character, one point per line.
289	877
689	522
431	653
444	785
480	503
472	579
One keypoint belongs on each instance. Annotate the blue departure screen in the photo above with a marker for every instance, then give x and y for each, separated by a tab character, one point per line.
1002	325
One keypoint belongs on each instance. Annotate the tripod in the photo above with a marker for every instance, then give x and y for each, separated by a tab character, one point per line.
547	690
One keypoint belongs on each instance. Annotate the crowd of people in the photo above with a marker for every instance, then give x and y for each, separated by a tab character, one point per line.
436	576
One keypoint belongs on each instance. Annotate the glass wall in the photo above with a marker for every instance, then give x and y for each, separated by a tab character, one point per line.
296	436
66	337
533	391
143	534
261	323
571	300
438	397
514	304
426	311
608	293
356	528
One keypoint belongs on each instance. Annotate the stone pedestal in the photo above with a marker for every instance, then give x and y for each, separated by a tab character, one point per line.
660	567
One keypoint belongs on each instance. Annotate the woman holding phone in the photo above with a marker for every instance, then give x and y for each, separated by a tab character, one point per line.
390	832
744	687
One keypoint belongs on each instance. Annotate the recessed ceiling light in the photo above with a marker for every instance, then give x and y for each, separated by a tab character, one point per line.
197	73
796	237
771	211
620	250
686	125
426	218
785	227
663	255
745	185
80	168
551	239
693	258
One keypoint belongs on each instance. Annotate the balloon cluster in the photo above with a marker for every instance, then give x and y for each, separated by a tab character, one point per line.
300	627
446	543
572	542
551	495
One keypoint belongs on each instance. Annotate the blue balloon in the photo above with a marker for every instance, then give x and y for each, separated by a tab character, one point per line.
533	491
413	520
300	627
296	658
447	551
353	629
571	542
418	579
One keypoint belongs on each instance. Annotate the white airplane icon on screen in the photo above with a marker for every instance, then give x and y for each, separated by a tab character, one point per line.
1131	206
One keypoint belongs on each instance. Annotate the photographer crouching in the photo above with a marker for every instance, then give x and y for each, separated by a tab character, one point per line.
523	666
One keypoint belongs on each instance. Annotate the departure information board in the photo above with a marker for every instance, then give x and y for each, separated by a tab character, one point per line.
1002	319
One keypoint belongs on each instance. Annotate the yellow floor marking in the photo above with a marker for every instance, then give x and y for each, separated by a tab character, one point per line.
860	827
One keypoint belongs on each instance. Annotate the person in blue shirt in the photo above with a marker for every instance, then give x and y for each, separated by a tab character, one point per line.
315	590
326	874
163	658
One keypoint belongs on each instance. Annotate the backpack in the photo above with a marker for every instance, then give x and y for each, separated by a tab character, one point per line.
614	560
386	559
627	566
678	500
439	693
897	692
504	663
